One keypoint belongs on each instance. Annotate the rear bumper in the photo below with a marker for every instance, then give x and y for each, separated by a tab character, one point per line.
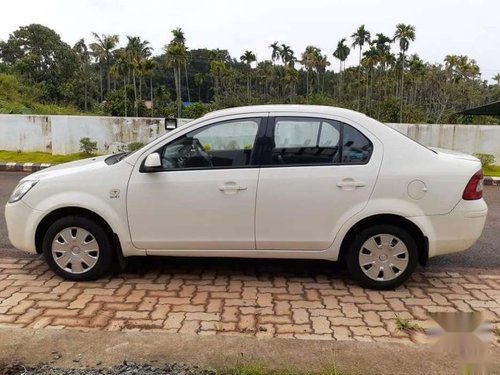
456	231
22	221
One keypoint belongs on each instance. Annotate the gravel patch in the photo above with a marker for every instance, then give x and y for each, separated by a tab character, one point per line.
127	368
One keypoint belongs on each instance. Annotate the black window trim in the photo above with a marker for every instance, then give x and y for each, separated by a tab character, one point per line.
254	156
271	124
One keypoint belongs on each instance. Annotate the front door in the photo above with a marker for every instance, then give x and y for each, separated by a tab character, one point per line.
317	173
203	196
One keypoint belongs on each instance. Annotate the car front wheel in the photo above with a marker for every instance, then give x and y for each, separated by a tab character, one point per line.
382	256
77	248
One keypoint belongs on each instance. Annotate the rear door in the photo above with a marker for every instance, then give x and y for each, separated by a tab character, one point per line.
316	173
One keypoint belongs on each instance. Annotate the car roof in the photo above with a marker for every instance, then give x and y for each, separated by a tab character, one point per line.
299	108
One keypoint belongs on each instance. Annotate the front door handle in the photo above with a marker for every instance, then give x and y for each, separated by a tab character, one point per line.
231	187
350	184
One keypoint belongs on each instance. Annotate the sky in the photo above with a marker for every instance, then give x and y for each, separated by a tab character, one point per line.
469	27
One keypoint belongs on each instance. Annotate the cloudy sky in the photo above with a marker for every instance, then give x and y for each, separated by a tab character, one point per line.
470	27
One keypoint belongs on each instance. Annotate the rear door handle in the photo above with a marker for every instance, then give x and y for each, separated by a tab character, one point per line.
231	187
350	184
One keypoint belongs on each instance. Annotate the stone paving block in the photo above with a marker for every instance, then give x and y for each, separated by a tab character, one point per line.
233	303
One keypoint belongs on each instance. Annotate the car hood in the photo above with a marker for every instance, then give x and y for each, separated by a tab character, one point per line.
454	154
66	168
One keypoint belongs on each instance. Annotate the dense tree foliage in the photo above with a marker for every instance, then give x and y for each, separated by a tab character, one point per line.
39	72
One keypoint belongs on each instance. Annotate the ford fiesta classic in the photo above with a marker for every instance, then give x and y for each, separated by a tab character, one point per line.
276	181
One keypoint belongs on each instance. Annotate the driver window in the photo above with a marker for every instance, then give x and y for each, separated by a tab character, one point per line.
225	144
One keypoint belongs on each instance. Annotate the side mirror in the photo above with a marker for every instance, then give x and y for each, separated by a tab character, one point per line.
152	162
170	123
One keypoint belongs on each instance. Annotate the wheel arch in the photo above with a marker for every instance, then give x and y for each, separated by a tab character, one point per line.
421	240
74	211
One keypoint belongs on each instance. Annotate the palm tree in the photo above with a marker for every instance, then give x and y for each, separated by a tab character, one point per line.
102	50
84	59
321	64
404	34
341	53
360	37
148	68
121	68
248	58
291	79
177	58
276	53
199	80
180	38
309	61
287	55
497	78
136	51
370	59
217	70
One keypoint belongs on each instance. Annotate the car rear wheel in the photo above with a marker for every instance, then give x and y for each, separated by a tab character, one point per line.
77	248
382	257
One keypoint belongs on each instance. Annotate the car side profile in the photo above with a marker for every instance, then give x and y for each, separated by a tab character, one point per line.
274	181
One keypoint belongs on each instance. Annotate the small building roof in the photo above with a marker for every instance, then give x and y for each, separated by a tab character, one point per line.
491	109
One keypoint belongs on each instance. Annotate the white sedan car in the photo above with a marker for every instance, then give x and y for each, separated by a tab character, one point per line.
277	181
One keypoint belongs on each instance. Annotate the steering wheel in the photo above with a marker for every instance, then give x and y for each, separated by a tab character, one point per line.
192	148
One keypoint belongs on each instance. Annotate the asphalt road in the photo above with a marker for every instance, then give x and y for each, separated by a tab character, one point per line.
485	254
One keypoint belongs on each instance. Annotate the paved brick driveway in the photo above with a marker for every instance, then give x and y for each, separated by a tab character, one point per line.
237	297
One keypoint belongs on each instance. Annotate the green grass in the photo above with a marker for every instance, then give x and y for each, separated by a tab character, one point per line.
406	325
39	157
492	170
257	369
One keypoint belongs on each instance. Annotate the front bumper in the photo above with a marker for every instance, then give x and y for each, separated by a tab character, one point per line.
22	221
456	231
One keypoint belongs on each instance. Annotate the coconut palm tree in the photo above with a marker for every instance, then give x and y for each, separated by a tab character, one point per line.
309	61
148	66
180	38
276	51
287	55
321	64
136	51
84	60
176	59
199	80
121	69
404	34
248	58
341	53
217	70
360	38
102	50
291	79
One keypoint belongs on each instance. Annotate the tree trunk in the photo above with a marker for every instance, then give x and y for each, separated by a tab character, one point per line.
135	94
125	94
402	89
187	83
100	80
109	80
151	92
85	94
177	72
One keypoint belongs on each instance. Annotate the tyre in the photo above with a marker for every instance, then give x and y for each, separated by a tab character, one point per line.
77	248
382	256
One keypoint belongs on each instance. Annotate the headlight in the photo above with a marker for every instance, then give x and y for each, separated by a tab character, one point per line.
21	190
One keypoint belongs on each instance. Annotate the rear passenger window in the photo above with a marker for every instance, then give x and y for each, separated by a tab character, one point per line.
305	141
356	149
312	141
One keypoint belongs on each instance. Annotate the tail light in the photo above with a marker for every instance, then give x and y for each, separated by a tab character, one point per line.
474	189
